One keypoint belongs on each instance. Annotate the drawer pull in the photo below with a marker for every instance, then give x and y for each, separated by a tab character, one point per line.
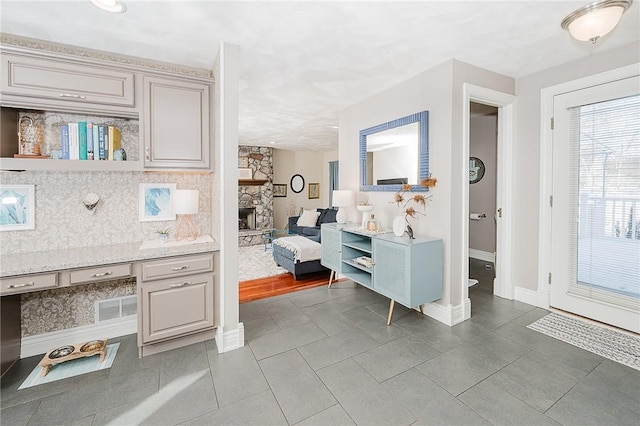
103	274
69	95
180	285
180	268
29	284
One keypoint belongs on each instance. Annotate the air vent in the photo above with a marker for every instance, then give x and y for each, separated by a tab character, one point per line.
116	308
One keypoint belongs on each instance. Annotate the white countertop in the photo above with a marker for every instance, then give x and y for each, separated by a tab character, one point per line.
56	260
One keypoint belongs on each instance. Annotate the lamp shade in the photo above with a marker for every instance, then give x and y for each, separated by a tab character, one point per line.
342	198
185	201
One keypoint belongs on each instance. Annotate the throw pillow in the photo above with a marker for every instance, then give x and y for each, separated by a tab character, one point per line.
330	216
308	218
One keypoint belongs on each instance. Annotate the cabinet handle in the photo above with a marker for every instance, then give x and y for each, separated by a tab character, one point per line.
103	274
69	95
180	268
147	153
180	285
29	284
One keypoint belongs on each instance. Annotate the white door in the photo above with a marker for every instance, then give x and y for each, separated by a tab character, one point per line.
596	203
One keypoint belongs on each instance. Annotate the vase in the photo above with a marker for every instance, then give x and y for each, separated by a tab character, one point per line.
398	226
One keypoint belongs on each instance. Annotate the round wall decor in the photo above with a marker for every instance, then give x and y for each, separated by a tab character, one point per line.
297	183
476	169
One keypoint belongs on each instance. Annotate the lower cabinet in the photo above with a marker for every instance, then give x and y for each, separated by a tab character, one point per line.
175	302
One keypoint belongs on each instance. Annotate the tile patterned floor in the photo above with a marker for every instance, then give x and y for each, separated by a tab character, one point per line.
326	357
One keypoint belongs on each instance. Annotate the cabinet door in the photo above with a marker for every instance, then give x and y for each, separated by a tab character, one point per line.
331	248
65	81
176	123
171	308
392	270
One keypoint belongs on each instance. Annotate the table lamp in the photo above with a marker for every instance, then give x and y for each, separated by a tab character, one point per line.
185	204
342	198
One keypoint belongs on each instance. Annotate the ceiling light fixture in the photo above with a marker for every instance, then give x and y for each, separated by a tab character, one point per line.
595	20
113	6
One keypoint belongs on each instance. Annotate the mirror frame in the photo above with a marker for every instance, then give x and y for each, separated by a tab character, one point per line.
423	154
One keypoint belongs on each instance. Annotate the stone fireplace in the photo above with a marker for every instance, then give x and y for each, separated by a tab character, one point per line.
246	218
255	196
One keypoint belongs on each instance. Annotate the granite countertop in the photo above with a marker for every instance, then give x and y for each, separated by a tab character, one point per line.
82	257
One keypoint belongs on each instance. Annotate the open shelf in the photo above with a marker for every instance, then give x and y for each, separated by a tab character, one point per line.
251	182
362	245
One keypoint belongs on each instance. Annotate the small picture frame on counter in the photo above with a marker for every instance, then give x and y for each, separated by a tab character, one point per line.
17	207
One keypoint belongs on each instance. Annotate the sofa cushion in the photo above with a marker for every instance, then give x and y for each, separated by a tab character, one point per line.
308	218
326	216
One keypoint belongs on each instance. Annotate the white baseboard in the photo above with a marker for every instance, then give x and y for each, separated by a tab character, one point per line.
449	315
487	256
531	297
229	340
42	343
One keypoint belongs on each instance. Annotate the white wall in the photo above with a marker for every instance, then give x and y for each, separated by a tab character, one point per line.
526	152
438	90
314	168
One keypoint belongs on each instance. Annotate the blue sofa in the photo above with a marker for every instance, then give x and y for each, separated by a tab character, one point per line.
312	232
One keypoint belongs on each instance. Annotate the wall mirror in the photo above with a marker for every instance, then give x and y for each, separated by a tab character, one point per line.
395	153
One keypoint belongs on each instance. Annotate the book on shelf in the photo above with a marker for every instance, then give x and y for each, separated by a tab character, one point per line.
64	141
106	143
89	140
74	146
115	140
96	147
101	135
82	140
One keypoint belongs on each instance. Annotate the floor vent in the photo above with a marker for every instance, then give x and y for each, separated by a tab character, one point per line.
116	308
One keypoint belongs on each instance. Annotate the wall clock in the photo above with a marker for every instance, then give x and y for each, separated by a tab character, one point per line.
476	169
297	183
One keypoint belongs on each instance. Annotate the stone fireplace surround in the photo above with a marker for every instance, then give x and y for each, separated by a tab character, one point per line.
258	196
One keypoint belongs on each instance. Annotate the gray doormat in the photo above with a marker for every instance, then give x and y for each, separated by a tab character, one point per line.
603	341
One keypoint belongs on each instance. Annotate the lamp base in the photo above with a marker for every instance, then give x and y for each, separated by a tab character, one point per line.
342	215
186	229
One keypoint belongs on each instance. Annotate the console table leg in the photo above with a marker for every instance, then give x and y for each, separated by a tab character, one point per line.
421	309
331	277
391	305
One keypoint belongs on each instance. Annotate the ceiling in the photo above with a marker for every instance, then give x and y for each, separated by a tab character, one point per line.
302	62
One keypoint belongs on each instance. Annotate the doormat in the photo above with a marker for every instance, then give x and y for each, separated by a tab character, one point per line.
614	345
71	368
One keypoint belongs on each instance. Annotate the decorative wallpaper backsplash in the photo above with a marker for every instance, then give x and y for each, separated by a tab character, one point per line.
62	221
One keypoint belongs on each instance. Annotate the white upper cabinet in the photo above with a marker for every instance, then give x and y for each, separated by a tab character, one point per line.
176	123
64	81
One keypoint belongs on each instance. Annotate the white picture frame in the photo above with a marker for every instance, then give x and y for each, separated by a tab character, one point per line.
17	207
155	202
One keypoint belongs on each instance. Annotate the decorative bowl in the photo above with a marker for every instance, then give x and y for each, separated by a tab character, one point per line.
62	351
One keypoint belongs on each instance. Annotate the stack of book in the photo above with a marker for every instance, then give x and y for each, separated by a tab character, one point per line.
89	141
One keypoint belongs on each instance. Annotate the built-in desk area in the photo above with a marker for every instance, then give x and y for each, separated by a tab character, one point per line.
179	276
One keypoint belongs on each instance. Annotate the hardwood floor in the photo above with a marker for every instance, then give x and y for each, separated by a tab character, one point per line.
261	288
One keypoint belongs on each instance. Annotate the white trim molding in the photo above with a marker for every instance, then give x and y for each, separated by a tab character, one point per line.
229	340
42	343
449	314
531	297
482	255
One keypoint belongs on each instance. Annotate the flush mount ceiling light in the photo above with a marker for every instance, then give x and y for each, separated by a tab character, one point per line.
113	6
595	19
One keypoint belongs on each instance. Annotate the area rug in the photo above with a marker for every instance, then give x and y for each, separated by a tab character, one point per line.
72	368
254	262
606	342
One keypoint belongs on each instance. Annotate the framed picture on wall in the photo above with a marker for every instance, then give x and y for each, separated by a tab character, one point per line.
155	201
279	190
17	207
314	191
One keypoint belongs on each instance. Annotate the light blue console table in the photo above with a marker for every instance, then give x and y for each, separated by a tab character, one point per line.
404	270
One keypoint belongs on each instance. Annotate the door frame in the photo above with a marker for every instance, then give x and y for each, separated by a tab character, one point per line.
503	285
546	163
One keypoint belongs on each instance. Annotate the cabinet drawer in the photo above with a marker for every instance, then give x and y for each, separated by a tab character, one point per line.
48	78
27	283
175	307
176	267
101	273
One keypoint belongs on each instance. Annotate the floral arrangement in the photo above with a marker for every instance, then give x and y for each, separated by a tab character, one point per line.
409	200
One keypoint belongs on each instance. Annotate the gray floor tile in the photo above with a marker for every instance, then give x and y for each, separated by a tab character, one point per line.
500	408
185	397
286	314
295	385
127	361
503	348
536	384
316	297
364	399
259	327
251	311
429	402
18	415
461	368
261	409
329	321
607	396
430	331
236	375
191	359
282	341
336	348
396	357
382	309
334	416
375	325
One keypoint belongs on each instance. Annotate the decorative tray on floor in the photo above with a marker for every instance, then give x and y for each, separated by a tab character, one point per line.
71	352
